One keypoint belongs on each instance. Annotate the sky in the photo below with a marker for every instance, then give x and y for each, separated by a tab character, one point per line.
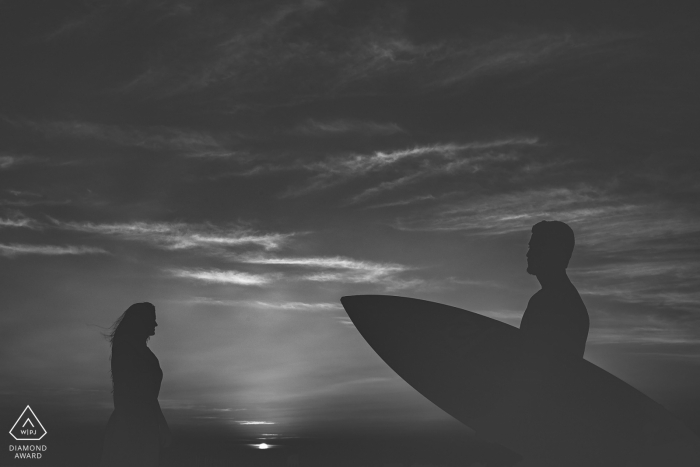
243	165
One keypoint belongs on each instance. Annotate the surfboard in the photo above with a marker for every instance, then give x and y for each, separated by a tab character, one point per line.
552	408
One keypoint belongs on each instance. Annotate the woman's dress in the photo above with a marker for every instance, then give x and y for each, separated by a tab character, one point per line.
133	430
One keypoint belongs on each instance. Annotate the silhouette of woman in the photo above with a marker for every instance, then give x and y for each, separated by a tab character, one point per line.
137	429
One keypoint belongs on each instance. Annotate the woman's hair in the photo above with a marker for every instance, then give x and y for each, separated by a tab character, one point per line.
130	323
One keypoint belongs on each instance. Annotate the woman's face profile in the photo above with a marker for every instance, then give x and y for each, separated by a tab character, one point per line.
150	323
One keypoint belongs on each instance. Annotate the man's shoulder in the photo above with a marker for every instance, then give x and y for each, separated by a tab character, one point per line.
546	299
559	300
564	293
538	296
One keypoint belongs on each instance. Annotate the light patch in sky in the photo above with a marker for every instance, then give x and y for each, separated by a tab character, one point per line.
223	277
335	262
15	249
180	235
439	158
269	305
380	158
19	222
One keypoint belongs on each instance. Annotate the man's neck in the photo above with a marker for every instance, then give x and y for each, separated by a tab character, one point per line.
553	279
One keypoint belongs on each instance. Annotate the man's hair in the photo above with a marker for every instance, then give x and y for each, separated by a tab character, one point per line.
556	235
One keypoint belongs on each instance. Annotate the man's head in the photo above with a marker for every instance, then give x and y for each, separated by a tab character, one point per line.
551	245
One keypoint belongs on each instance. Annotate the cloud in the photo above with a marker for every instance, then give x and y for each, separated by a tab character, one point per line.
334	262
359	164
29	198
179	141
389	281
32	202
167	235
629	250
642	336
403	202
303	306
9	161
340	269
663	282
602	216
299	306
457	62
324	269
15	249
282	52
461	62
179	236
342	126
641	268
671	355
22	222
652	301
175	236
388	185
217	276
410	164
642	292
239	50
30	194
390	56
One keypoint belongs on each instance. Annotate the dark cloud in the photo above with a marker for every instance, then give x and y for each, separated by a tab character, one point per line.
9	161
163	139
335	127
322	58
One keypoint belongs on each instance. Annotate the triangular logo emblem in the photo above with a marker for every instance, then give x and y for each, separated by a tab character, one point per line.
27	427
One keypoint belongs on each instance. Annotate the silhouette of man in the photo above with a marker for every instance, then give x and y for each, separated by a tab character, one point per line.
555	313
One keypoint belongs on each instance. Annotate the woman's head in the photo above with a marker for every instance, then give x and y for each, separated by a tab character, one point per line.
137	322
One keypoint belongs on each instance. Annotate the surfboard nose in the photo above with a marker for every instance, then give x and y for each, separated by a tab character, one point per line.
355	304
360	308
376	313
351	303
349	300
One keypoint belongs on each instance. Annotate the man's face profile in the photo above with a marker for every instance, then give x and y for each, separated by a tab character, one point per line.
541	256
